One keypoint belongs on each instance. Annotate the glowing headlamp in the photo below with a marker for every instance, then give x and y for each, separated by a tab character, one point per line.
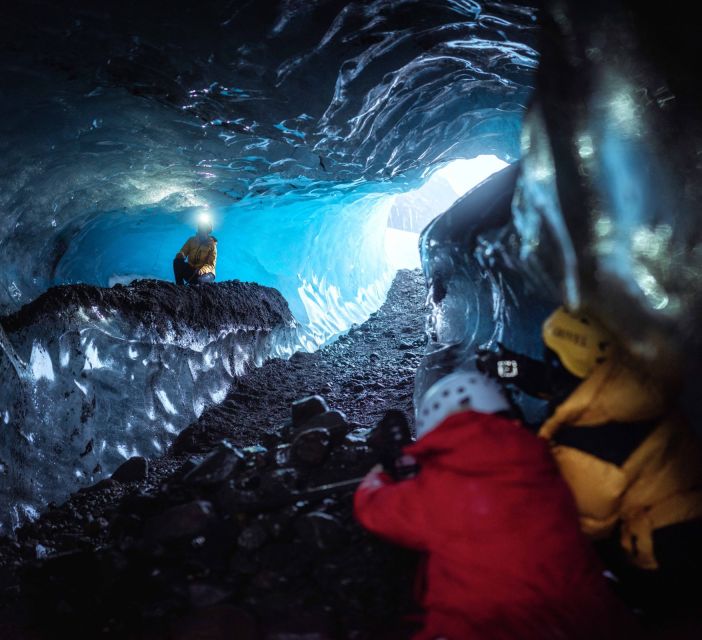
204	219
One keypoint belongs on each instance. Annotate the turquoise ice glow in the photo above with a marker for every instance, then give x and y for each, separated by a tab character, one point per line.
328	250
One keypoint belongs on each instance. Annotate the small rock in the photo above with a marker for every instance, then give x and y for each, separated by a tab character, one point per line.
268	490
282	455
405	345
188	466
217	466
41	551
202	594
188	440
321	530
353	453
307	408
335	421
252	537
255	456
180	522
311	447
134	469
279	481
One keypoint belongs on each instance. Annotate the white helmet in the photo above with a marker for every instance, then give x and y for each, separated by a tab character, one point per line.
460	391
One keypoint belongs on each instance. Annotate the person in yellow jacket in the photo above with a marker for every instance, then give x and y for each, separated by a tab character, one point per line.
632	462
200	251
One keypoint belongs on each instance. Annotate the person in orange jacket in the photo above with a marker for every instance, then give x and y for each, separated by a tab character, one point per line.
200	251
632	462
505	557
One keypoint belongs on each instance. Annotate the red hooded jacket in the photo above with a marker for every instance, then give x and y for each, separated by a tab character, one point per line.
505	555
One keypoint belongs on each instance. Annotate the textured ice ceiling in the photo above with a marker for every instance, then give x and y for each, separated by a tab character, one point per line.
295	122
117	106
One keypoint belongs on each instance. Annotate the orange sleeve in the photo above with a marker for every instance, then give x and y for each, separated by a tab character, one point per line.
185	249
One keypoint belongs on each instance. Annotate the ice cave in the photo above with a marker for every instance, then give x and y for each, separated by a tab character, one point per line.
401	192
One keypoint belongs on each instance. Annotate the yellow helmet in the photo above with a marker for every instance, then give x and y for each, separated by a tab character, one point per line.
579	341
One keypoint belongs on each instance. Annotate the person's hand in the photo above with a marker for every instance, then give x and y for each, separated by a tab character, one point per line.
374	478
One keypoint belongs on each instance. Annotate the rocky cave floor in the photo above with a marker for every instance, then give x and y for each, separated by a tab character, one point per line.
213	541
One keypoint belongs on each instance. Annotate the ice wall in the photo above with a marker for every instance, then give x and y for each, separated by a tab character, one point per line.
112	108
322	249
93	376
291	121
604	214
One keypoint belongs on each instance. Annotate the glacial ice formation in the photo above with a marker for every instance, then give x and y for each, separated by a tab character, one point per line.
299	124
99	375
604	212
122	118
296	124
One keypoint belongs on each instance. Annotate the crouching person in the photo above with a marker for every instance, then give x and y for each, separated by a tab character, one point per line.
630	458
505	557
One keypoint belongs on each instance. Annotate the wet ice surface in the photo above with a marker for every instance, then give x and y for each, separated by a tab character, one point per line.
480	293
102	375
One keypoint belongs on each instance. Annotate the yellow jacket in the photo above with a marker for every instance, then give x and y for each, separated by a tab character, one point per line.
201	255
659	484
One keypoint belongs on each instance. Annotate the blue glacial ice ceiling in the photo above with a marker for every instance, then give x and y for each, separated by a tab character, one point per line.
120	119
298	125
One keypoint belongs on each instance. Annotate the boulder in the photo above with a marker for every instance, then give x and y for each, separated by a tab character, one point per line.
307	408
217	466
311	447
180	522
133	470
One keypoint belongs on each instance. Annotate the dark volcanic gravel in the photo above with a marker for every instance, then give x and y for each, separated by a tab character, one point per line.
220	540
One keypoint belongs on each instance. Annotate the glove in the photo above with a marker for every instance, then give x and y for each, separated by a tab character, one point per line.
391	436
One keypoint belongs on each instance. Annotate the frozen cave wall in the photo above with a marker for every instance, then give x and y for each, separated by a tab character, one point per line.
131	110
603	212
96	376
290	122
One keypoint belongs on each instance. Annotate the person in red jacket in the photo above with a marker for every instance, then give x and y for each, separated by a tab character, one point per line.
505	557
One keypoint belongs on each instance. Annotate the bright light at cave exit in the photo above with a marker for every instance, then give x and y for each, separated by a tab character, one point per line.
410	212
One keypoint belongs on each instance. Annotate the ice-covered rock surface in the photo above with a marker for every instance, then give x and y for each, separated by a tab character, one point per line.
100	375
